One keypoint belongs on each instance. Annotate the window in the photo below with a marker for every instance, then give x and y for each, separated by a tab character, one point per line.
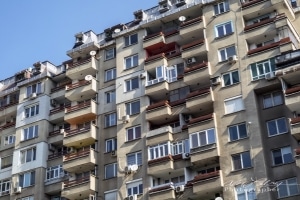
28	198
159	150
272	99
133	133
110	74
277	126
179	94
110	195
27	179
30	132
55	172
245	192
223	29
226	52
237	132
110	96
231	78
110	53
134	158
221	7
234	104
133	108
4	187
31	111
287	187
111	170
28	155
260	69
282	156
35	88
110	120
110	145
132	84
131	39
202	138
6	161
179	180
10	139
241	161
131	61
134	187
178	147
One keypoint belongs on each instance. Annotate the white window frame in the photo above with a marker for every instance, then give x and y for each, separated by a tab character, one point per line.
27	134
24	183
238	131
110	96
231	81
110	74
128	39
34	88
9	139
226	53
236	99
114	167
31	111
262	68
286	184
223	26
283	152
28	155
159	150
241	159
130	107
134	132
110	53
246	190
277	127
110	145
131	59
112	120
218	5
54	172
271	97
10	157
110	195
178	148
129	81
134	187
28	198
138	159
5	186
196	137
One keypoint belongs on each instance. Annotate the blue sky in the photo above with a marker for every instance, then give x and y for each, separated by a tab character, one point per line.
35	30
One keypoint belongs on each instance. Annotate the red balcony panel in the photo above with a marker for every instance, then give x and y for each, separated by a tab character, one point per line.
171	33
174	55
77	131
59	109
155	57
56	155
192	44
78	107
176	103
153	35
269	46
264	22
295	120
57	132
190	22
297	151
200	119
203	177
292	90
76	182
61	87
77	85
75	155
198	93
158	104
195	67
8	125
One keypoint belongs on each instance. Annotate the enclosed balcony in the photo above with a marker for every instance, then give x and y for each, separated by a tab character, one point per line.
154	61
197	74
199	99
82	112
75	91
80	188
190	26
80	160
161	165
194	48
164	191
159	135
8	110
57	114
295	127
81	136
155	39
78	70
158	111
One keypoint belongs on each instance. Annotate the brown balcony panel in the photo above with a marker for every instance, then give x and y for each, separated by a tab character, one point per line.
295	127
202	177
83	160
201	99
264	22
292	90
76	64
76	182
195	67
78	107
77	137
154	35
171	33
269	46
77	131
192	45
9	105
251	3
200	119
295	120
177	103
59	109
77	85
175	55
161	188
297	151
198	93
191	22
8	125
157	105
85	111
155	90
56	155
61	87
78	70
76	155
209	184
155	57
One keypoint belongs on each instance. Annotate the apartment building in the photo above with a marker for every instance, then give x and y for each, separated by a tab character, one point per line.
193	99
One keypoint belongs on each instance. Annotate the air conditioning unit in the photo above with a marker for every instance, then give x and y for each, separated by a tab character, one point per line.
191	60
62	131
179	188
51	147
17	190
232	59
185	155
270	76
53	102
215	81
33	95
127	169
114	153
126	119
132	197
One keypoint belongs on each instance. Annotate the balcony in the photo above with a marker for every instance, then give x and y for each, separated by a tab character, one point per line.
54	186
295	127
207	184
158	111
57	114
204	155
194	48
82	112
79	188
9	109
297	157
59	91
75	91
80	137
198	99
292	98
159	135
195	124
7	126
82	160
251	3
164	191
157	87
154	61
154	39
279	21
198	73
83	49
56	155
196	24
160	165
56	136
78	70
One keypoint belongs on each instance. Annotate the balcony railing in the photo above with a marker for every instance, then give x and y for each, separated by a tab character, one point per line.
56	155
198	93
192	45
57	132
295	120
76	181
269	46
9	105
78	107
160	160
78	154
158	105
77	131
203	177
287	59
201	119
292	90
59	109
161	187
8	125
191	22
155	57
195	67
77	85
251	3
297	152
76	64
154	35
58	88
265	22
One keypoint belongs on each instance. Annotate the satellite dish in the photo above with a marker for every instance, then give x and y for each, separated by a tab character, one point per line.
29	69
134	167
182	19
117	30
92	53
88	77
219	198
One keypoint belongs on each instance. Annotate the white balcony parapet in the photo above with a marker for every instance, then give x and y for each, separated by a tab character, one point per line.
159	131
162	185
8	91
83	46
